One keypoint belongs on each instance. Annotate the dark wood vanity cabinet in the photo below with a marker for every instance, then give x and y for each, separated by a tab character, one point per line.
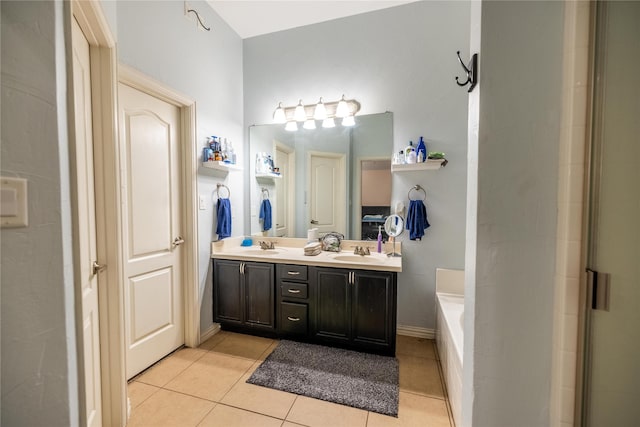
355	308
349	308
243	295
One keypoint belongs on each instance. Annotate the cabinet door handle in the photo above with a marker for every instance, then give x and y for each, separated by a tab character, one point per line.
293	273
293	319
293	291
242	268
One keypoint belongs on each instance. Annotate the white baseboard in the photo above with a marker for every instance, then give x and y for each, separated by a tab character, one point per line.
416	331
409	331
209	332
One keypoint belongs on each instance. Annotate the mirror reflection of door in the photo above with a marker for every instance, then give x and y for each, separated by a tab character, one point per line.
285	190
327	197
375	197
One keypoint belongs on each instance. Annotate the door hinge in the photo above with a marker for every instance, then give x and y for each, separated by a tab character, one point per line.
598	287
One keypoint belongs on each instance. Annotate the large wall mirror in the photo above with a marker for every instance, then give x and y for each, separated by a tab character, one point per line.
335	179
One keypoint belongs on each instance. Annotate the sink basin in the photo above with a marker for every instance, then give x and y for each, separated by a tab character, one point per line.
356	258
266	252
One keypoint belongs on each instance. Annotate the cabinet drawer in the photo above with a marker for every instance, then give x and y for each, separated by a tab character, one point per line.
293	318
294	272
293	290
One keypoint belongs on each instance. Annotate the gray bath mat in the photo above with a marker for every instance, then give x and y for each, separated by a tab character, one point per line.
360	380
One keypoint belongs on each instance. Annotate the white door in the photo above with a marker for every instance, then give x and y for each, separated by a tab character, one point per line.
152	227
284	193
327	201
86	226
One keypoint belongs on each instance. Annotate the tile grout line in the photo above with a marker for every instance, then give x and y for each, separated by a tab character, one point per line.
145	399
290	408
238	380
207	414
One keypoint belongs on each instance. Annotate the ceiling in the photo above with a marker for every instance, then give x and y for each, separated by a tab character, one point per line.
251	18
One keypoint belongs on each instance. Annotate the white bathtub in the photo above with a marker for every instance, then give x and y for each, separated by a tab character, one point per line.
449	333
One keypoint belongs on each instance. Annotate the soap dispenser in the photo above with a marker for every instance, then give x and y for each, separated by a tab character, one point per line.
379	239
422	151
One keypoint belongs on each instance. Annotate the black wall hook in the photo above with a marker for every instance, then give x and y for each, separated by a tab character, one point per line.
471	70
199	20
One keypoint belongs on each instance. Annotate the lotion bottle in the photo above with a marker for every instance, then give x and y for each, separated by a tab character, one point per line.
379	239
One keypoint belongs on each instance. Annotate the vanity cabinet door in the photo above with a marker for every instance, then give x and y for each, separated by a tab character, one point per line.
374	309
259	295
355	308
332	304
243	295
227	292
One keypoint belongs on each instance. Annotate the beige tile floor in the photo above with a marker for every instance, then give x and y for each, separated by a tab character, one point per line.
207	387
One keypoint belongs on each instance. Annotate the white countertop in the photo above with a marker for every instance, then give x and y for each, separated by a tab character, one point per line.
290	251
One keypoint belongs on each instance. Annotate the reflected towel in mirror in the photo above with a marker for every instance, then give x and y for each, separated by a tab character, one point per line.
265	214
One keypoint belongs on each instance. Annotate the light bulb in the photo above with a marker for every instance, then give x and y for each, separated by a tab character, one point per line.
299	114
279	115
342	110
291	126
320	112
348	121
328	123
309	124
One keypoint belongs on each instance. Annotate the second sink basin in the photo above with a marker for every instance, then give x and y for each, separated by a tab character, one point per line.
266	252
355	258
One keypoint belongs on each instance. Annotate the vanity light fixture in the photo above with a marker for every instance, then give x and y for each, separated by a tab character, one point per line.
320	112
278	115
291	126
329	123
342	110
299	114
348	121
326	112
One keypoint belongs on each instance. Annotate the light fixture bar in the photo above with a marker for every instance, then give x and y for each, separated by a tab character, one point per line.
302	112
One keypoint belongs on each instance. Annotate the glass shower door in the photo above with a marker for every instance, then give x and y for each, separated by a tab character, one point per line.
612	370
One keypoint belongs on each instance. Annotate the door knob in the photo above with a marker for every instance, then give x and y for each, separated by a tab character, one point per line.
178	241
313	221
97	268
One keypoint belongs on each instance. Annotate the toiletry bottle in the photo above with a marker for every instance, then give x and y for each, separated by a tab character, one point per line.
215	146
413	158
422	151
407	151
379	239
259	163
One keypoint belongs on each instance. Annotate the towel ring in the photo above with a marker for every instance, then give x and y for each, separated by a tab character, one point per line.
224	186
417	188
264	190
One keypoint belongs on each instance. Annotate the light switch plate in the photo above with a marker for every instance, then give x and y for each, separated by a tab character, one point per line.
13	202
202	203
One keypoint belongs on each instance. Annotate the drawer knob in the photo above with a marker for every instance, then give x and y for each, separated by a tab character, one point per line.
293	273
293	319
293	291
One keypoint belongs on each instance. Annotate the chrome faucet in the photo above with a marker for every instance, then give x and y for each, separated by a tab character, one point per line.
267	245
361	250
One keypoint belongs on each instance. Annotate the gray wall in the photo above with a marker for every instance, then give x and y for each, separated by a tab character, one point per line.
402	60
39	365
511	268
207	67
